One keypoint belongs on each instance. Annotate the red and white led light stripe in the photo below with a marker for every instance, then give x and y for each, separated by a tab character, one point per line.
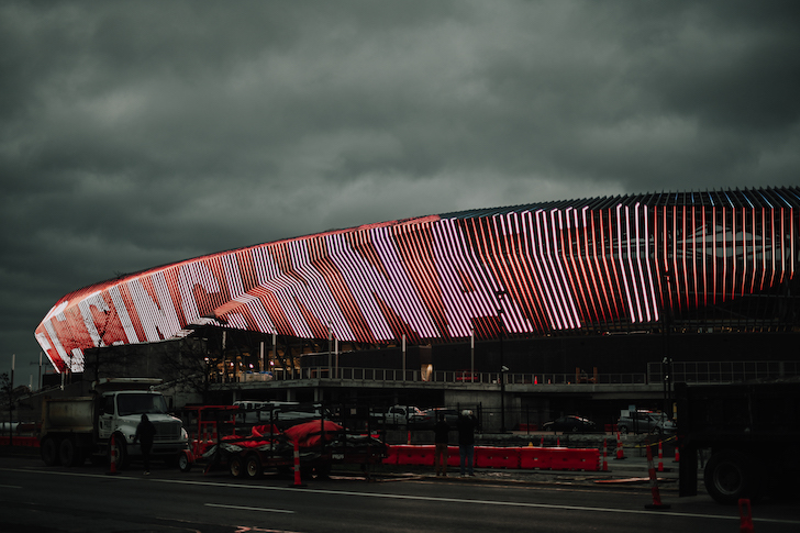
433	278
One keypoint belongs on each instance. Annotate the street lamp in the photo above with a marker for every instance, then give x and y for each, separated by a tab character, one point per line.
666	362
503	368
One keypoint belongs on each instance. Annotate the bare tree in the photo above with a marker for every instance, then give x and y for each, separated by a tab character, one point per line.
191	364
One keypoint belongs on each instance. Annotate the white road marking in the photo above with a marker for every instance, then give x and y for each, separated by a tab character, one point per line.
244	508
480	502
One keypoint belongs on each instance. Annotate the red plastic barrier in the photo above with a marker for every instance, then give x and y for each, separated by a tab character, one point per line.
415	455
418	455
496	457
453	456
528	457
531	457
576	459
31	442
391	455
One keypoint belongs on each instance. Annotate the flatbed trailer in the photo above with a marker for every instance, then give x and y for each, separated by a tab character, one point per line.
217	441
749	432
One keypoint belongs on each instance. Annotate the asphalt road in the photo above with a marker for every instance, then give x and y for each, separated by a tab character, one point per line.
34	499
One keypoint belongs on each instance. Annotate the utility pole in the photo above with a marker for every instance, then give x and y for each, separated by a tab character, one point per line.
500	294
666	362
404	357
11	402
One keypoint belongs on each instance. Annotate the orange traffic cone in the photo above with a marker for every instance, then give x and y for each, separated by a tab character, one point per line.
746	514
298	481
657	505
112	467
620	452
660	457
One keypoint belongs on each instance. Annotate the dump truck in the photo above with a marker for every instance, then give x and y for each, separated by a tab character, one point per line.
746	433
102	425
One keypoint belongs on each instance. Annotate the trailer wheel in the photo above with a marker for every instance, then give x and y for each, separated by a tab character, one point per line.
69	453
323	471
623	430
253	467
729	476
49	451
236	466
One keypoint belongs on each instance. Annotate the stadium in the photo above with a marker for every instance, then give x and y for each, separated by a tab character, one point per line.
531	311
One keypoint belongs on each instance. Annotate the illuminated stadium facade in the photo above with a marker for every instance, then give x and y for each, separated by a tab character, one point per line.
714	261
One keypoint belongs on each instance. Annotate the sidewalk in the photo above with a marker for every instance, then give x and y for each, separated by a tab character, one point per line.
631	472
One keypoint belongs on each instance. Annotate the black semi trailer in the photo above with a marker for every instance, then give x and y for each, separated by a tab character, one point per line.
749	433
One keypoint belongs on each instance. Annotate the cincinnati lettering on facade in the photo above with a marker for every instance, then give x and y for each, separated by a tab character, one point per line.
530	269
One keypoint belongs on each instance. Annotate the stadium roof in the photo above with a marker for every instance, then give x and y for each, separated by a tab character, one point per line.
572	266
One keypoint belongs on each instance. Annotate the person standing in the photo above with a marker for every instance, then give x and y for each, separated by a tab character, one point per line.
441	433
466	441
145	434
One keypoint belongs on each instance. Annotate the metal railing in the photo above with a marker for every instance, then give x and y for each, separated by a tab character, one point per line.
446	376
690	372
723	371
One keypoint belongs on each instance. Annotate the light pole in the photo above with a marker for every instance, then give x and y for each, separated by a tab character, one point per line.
11	401
503	369
666	362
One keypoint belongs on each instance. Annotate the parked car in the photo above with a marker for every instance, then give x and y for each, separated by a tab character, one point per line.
282	414
398	415
571	424
432	416
645	422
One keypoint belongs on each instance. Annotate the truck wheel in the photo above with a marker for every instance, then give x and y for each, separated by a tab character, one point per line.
122	460
68	453
729	476
253	467
49	450
236	466
184	462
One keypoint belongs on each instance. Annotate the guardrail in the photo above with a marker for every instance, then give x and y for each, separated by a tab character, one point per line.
722	371
690	372
443	376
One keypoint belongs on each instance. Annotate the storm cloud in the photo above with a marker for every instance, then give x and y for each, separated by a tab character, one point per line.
137	134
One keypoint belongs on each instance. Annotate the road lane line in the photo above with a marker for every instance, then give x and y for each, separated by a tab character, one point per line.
478	502
244	508
408	497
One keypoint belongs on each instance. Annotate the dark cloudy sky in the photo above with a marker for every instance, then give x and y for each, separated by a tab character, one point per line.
134	134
